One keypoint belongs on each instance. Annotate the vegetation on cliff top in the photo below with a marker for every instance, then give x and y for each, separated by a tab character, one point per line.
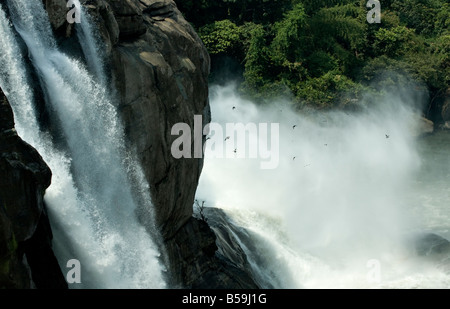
324	53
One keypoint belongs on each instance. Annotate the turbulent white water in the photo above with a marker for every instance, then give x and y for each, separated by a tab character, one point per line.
337	210
97	186
91	47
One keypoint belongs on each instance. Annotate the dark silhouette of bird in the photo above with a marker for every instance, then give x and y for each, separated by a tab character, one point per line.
234	107
227	138
387	136
294	126
235	150
293	159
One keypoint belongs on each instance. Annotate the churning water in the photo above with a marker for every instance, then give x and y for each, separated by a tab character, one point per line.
348	195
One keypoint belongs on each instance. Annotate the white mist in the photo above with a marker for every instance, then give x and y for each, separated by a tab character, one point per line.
336	210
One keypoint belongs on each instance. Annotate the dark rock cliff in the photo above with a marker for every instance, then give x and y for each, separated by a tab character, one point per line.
26	256
159	69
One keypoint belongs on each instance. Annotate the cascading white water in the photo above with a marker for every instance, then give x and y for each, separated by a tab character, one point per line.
337	208
91	200
90	44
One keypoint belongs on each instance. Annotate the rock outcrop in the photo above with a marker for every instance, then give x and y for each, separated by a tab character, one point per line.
446	110
197	262
424	127
429	244
26	256
160	69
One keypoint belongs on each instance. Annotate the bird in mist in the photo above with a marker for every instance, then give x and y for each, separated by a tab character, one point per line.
387	136
234	107
294	126
235	150
227	138
293	159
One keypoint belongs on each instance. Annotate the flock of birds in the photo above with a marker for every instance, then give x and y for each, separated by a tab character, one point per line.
293	128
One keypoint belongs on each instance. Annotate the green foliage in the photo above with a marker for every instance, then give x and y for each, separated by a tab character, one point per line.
386	73
324	53
321	62
345	24
328	90
313	6
286	47
421	14
442	20
393	42
256	61
203	12
221	37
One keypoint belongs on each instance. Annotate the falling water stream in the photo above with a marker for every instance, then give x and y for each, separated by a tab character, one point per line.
97	185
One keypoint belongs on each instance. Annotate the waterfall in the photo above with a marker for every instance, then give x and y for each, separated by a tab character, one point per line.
89	40
97	186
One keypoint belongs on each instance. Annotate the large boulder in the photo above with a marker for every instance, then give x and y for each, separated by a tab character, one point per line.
429	244
197	262
161	76
425	126
159	68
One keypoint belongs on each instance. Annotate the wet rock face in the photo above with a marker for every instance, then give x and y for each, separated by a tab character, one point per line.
197	263
24	177
429	244
161	78
159	67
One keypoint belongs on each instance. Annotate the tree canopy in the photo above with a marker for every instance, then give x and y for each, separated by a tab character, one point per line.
325	53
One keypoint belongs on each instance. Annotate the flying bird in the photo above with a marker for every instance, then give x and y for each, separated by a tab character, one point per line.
234	107
294	126
387	136
227	138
